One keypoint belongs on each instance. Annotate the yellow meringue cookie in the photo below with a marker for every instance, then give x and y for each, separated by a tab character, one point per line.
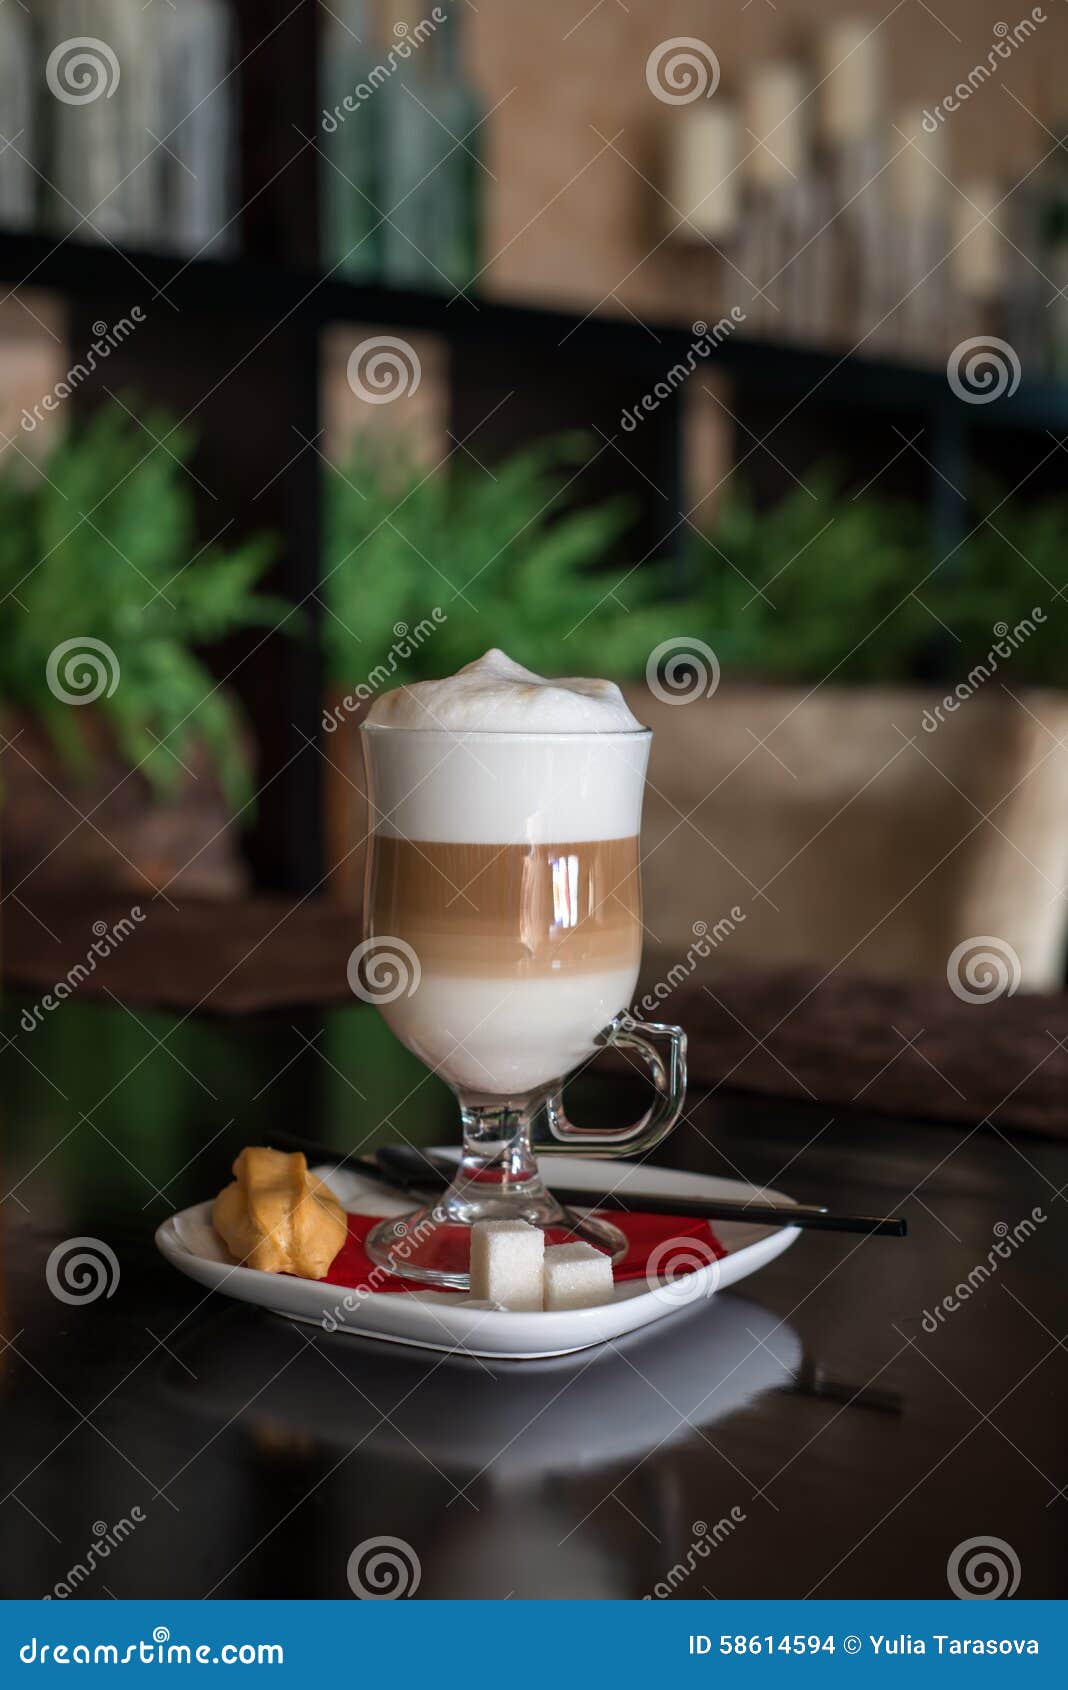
278	1217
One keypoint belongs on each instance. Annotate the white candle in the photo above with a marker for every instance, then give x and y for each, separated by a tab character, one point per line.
852	68
703	178
919	172
980	266
775	114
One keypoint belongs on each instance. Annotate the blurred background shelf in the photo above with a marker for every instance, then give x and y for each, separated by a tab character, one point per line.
235	345
520	338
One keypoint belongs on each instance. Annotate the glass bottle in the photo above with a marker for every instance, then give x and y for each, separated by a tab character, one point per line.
431	168
350	143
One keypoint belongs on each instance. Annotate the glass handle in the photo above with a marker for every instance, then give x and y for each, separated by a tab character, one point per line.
668	1074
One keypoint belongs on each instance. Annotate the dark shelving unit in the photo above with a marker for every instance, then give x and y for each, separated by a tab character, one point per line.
296	297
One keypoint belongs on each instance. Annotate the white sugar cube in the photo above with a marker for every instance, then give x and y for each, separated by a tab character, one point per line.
577	1277
506	1263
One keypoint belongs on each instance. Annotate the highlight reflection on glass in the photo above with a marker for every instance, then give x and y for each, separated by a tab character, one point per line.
565	872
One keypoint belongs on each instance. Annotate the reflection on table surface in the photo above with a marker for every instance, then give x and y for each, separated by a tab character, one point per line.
518	1422
807	1435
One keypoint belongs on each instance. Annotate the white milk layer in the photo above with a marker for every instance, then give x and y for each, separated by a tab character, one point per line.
506	789
495	695
507	1036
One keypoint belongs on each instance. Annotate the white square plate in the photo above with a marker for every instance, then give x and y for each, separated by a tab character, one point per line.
450	1321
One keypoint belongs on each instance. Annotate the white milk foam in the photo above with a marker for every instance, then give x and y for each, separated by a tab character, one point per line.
503	757
495	695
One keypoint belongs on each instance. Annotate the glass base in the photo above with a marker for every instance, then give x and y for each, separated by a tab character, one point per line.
433	1244
497	1180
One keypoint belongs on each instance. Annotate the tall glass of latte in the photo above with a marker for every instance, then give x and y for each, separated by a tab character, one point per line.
503	914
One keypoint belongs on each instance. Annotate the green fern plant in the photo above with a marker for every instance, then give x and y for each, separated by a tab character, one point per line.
1014	561
817	583
506	558
822	584
100	542
853	589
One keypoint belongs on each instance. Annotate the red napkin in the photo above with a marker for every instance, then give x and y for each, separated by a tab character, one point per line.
664	1244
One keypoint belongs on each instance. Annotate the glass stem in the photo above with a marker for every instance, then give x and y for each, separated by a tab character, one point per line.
497	1144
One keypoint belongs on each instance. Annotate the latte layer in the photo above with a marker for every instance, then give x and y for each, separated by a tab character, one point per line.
525	952
520	910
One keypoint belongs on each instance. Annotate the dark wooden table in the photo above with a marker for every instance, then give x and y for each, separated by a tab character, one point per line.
848	1449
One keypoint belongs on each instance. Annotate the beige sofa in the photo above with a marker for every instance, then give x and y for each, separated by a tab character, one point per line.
843	831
